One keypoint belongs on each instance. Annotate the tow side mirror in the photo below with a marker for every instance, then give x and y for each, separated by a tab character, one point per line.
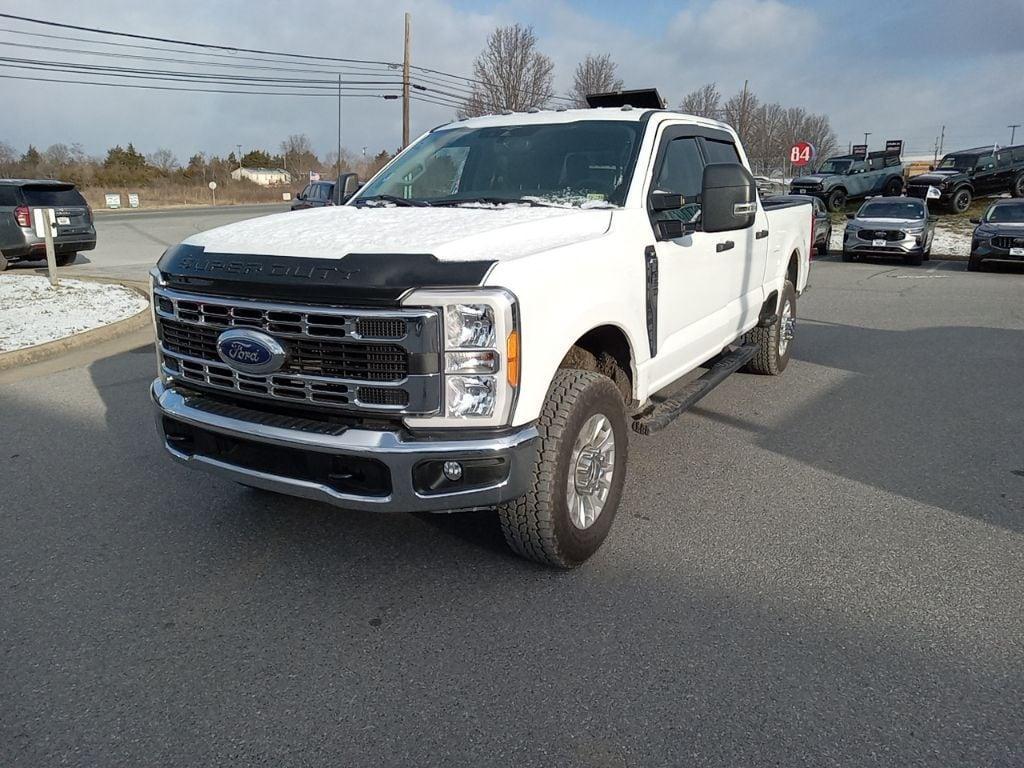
345	187
666	201
851	216
728	198
672	229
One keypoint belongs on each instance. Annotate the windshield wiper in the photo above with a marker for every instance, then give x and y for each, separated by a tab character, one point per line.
403	201
493	201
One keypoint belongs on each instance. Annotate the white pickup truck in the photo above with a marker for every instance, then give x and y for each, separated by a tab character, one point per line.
484	323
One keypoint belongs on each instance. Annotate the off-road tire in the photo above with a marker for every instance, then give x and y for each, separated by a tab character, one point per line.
973	264
65	259
961	200
537	525
1017	190
836	200
913	259
893	187
769	360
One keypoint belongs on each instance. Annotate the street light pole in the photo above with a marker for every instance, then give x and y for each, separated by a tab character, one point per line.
339	126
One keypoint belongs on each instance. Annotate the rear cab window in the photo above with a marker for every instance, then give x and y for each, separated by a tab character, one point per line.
53	196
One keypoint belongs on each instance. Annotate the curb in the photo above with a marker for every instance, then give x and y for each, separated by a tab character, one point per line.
39	352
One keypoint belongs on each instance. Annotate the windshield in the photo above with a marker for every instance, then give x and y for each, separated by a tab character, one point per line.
835	166
586	163
1007	214
893	210
957	162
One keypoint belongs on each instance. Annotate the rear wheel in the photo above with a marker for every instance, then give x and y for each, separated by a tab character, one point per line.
1017	190
65	259
774	342
961	200
822	248
836	200
893	187
578	475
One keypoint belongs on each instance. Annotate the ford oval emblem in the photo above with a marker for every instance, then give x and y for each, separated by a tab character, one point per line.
250	351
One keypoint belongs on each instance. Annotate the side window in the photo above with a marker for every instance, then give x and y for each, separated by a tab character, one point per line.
986	163
307	191
1018	155
720	152
681	172
1004	160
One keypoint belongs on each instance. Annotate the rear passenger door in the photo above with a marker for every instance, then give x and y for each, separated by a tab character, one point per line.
985	175
703	278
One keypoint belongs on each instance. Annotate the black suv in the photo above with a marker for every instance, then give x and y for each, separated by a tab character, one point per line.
962	176
316	195
18	240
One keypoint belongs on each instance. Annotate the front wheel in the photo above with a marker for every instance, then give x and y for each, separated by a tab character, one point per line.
913	259
961	200
974	264
65	259
847	256
774	343
822	248
578	476
836	200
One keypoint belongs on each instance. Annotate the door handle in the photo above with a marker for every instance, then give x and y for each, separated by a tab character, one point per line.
762	234
726	246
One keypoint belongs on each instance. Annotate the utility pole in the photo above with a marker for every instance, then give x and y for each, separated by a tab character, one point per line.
239	147
405	84
339	126
866	134
1013	131
942	139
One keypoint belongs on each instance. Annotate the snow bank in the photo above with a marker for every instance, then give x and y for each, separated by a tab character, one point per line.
31	312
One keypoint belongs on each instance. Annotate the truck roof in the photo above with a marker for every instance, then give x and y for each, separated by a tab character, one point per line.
548	116
986	150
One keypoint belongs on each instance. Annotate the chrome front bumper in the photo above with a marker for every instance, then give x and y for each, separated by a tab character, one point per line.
400	454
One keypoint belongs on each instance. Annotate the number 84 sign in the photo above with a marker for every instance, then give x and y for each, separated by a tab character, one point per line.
801	153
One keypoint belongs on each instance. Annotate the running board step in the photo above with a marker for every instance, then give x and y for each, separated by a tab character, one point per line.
664	413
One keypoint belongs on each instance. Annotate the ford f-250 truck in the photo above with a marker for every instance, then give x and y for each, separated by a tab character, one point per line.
484	323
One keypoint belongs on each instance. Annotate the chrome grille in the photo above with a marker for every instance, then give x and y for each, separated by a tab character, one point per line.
1007	242
335	358
892	235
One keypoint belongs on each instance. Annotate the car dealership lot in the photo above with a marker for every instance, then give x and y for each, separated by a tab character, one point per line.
819	570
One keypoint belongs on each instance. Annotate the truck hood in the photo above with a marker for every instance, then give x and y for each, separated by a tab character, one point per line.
936	177
812	178
888	223
450	234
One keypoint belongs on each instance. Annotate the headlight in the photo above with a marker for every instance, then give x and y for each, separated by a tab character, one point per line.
481	356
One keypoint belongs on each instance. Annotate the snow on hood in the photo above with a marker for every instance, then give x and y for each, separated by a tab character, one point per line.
450	234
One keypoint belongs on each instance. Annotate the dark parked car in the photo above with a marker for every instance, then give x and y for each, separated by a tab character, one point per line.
18	240
890	226
999	235
316	195
822	221
962	176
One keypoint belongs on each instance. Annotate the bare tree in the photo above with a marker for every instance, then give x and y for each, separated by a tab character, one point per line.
595	74
739	111
297	154
706	101
510	73
163	160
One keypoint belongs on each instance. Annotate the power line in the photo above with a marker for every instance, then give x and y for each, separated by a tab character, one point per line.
196	90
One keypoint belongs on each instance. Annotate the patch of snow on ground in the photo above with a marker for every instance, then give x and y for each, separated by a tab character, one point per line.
31	312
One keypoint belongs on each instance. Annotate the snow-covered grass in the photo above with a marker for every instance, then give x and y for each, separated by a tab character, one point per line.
31	312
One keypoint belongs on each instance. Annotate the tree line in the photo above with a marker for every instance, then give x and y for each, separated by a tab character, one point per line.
124	166
511	73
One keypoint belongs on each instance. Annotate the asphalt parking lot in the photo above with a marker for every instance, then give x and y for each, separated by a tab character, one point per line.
822	569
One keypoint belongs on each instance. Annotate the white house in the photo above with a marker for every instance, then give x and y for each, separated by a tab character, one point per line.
265	177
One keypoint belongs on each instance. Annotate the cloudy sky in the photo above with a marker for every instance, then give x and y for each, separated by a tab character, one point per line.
897	69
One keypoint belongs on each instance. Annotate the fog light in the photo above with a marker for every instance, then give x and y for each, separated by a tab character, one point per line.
452	470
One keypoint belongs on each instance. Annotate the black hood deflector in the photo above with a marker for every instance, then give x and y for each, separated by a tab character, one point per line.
375	279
